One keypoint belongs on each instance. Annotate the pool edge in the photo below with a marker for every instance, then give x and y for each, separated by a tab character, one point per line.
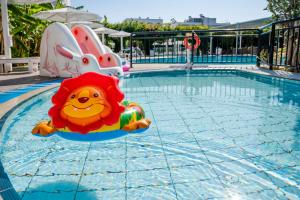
12	103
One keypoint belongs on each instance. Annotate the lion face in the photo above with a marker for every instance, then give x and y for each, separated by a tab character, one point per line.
85	105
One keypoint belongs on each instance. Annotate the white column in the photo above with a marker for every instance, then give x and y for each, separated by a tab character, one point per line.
67	2
236	43
103	39
122	45
211	44
167	46
241	40
6	35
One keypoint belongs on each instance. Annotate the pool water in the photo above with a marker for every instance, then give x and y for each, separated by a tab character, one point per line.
208	59
215	135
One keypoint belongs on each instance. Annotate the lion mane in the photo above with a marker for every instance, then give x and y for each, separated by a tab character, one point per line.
109	86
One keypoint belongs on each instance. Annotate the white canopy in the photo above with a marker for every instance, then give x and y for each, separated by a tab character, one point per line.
67	15
93	25
121	35
104	31
5	24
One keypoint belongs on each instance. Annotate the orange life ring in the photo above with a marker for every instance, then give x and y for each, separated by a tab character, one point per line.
188	45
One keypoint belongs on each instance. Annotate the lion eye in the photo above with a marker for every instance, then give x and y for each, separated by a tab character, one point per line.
73	96
96	95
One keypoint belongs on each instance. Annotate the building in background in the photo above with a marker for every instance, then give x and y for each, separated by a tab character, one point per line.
201	20
250	24
146	20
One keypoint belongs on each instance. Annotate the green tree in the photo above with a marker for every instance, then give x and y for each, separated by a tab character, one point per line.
25	30
284	9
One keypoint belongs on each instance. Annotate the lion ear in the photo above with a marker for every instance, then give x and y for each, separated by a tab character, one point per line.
107	110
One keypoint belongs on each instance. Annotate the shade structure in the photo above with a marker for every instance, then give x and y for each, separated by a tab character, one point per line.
104	31
121	35
5	24
67	15
92	25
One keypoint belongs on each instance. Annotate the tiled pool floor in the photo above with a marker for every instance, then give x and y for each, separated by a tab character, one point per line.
213	136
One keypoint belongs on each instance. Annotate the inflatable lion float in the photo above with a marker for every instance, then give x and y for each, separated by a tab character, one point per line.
91	104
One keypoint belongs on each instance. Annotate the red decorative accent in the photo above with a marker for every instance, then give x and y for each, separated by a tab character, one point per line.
100	58
188	45
108	84
76	32
85	60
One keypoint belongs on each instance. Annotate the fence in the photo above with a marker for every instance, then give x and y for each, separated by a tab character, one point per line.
281	44
217	46
276	44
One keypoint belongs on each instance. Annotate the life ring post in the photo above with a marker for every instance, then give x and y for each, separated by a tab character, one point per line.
193	47
191	43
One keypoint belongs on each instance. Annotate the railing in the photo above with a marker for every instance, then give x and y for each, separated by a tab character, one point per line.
217	46
280	46
274	45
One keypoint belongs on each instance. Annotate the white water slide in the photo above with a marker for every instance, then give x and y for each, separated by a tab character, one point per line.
69	53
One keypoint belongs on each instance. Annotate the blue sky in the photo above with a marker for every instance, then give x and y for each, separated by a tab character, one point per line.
224	10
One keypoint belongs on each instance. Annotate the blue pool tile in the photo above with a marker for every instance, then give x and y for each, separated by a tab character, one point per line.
101	194
156	177
177	137
103	181
29	168
103	166
173	129
291	192
73	167
49	196
192	173
54	184
290	145
168	117
219	156
180	160
294	174
296	154
142	163
152	192
106	153
236	167
265	194
144	150
171	123
207	189
20	183
249	183
216	144
264	149
144	138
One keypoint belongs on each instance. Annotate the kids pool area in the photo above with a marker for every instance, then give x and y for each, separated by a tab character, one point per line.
215	134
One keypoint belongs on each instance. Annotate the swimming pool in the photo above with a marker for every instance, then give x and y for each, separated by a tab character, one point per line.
215	134
208	59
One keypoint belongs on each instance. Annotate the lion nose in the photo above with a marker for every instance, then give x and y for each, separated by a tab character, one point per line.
83	99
